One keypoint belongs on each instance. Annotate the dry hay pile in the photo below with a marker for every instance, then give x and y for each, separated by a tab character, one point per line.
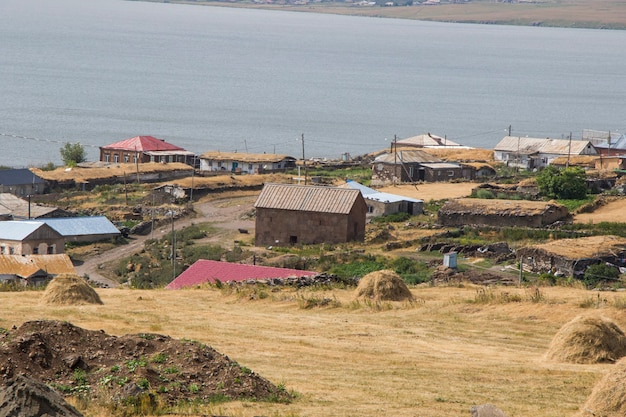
384	285
608	398
67	289
588	339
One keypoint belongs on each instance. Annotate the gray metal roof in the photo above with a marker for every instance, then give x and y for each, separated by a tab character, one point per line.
441	165
307	198
18	208
529	146
404	156
82	226
18	230
19	177
371	194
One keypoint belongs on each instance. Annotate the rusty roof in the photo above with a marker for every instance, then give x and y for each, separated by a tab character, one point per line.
530	146
244	157
307	198
26	265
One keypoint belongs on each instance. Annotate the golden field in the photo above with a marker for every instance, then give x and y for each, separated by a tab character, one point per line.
455	347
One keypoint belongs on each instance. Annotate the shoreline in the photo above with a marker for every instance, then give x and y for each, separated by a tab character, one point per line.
573	14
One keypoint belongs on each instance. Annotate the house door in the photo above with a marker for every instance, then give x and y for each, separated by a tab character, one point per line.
235	165
421	175
293	240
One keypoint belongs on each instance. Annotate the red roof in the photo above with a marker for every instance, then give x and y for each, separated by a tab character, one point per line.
203	271
144	144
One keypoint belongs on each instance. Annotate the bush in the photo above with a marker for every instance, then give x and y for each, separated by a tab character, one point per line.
565	184
599	273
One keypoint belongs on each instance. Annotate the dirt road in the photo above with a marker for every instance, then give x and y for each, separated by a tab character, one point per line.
226	212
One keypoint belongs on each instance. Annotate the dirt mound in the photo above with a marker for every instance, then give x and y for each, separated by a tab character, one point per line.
588	339
383	285
110	368
22	396
608	398
67	289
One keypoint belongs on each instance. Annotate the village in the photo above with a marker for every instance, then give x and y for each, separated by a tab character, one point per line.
369	254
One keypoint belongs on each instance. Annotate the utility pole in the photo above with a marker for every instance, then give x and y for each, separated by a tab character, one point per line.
569	149
173	248
304	161
193	172
395	158
509	130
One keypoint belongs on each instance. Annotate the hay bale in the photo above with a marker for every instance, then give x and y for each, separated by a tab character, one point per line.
384	285
588	339
67	289
608	398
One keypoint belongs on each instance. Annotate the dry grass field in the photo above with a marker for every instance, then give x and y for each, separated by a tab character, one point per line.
454	347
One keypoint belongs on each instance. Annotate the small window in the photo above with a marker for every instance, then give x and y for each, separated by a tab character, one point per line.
35	250
249	167
450	173
2	250
370	209
116	158
50	250
293	239
107	157
126	158
11	250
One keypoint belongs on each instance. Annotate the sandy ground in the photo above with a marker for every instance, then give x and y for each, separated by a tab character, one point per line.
614	211
432	191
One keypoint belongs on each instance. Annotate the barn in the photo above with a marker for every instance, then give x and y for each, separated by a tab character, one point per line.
289	214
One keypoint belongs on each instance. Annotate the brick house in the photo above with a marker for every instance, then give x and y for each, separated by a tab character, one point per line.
288	214
141	149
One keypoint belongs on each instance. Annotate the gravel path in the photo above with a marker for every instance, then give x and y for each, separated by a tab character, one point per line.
225	212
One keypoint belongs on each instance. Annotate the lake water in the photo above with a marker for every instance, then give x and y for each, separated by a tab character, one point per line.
212	78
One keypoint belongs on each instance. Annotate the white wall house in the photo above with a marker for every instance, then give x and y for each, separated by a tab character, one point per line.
536	153
245	163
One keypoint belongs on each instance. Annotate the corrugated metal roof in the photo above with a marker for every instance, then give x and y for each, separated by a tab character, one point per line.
427	140
307	198
82	226
529	146
441	165
19	230
18	208
142	144
204	271
20	176
244	157
404	156
27	265
371	194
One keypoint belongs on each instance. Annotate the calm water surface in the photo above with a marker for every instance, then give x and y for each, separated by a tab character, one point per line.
212	78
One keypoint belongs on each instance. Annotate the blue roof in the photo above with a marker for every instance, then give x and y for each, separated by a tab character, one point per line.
18	230
82	226
371	194
19	177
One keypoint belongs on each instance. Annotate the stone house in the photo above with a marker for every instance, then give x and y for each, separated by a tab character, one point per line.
414	166
503	213
142	149
288	214
245	163
29	238
21	182
537	153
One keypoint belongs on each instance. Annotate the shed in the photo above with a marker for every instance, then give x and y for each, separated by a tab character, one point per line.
21	182
382	204
34	269
505	213
288	214
205	271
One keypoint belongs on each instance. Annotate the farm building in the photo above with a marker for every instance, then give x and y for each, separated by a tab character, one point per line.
413	166
571	257
142	149
21	182
204	271
33	269
382	204
245	163
506	213
29	238
288	214
15	208
531	153
83	229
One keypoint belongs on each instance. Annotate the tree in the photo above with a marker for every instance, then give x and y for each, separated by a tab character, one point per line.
565	184
72	153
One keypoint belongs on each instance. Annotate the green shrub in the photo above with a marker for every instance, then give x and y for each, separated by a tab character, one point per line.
599	273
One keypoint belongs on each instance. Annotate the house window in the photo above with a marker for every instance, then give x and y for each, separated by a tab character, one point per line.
135	159
219	164
11	250
249	167
50	250
370	209
210	164
293	240
126	158
450	173
410	172
36	250
107	157
116	158
2	250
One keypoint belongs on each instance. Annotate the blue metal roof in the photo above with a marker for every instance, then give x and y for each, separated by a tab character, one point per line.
82	226
18	230
371	194
20	176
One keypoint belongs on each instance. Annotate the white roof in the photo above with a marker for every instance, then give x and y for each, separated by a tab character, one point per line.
371	194
18	230
82	226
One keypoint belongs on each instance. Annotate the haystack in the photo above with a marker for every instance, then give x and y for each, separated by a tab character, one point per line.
608	398
66	289
588	339
383	285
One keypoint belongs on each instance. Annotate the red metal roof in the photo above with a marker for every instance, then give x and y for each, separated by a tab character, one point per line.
144	144
203	271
